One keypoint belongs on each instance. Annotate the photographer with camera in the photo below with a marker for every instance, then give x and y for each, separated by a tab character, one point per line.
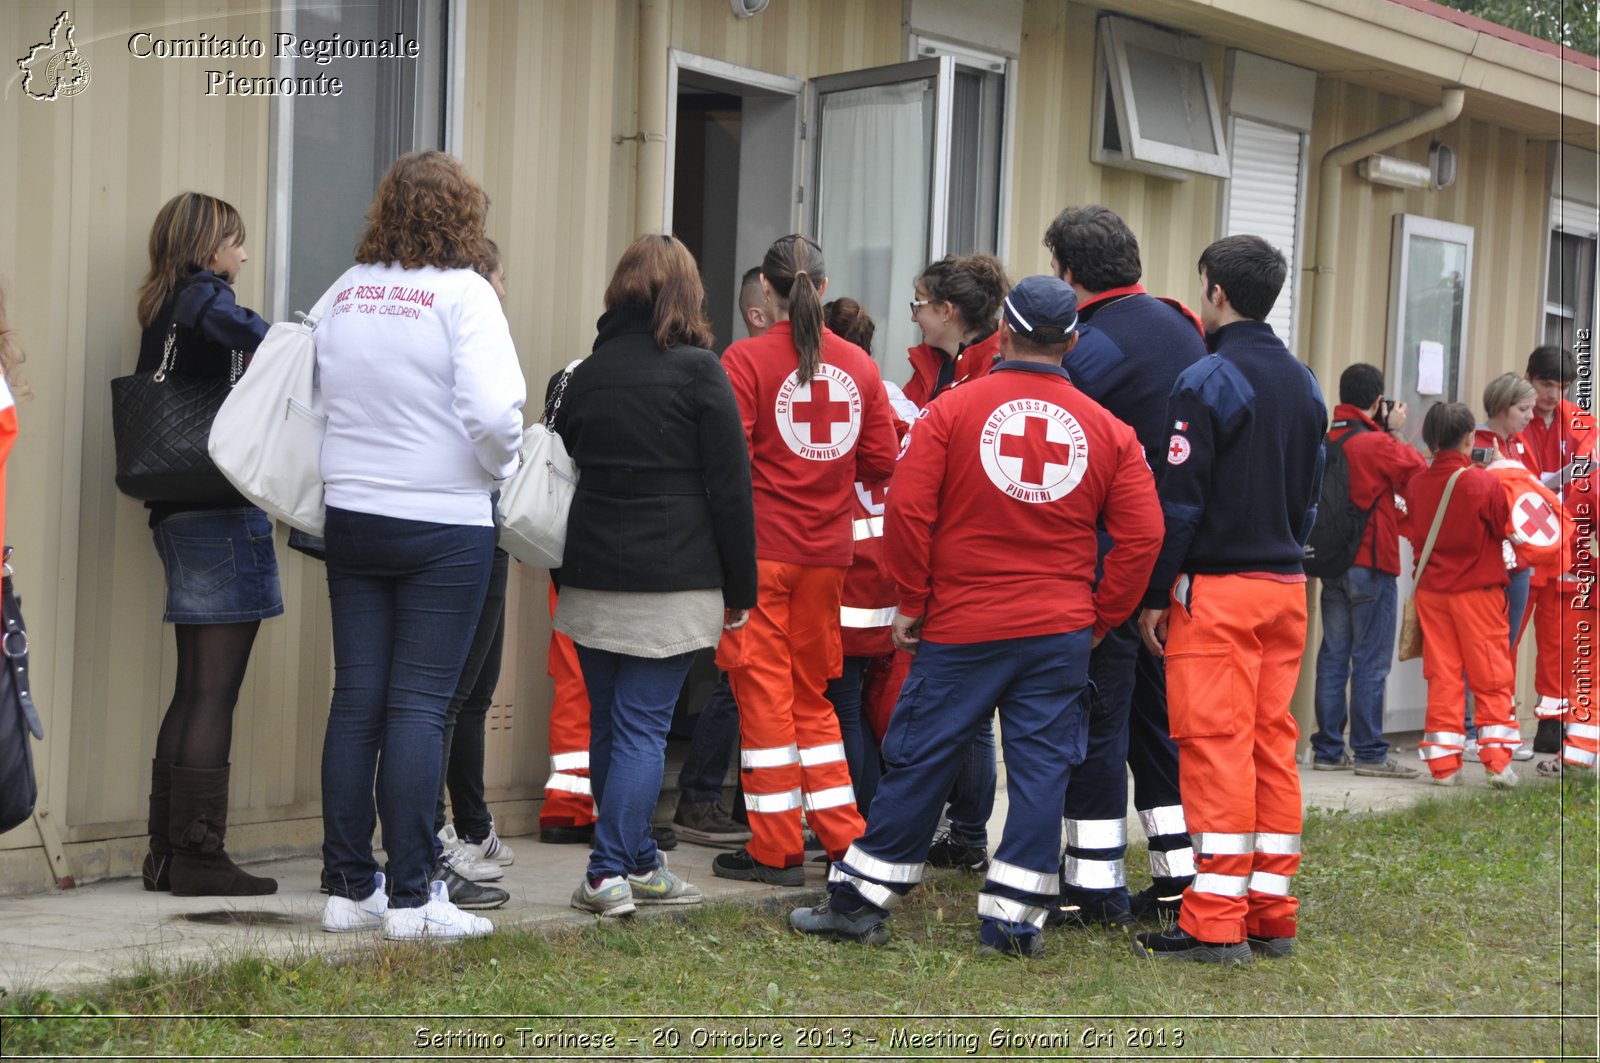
1358	607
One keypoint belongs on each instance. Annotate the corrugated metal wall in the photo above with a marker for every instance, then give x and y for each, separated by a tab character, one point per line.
78	200
1174	220
1502	190
549	88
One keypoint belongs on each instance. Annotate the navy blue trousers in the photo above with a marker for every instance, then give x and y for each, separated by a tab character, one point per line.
1038	684
1127	730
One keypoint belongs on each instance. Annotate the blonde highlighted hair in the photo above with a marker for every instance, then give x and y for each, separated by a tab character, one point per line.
188	231
10	355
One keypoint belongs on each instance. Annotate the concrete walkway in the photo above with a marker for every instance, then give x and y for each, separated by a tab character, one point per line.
68	940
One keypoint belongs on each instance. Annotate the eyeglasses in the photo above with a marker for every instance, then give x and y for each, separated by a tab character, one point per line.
917	303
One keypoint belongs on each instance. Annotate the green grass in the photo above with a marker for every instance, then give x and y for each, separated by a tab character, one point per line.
1462	927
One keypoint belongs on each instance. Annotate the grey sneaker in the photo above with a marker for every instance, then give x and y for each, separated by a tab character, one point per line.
612	898
865	926
708	823
1387	769
661	886
1342	764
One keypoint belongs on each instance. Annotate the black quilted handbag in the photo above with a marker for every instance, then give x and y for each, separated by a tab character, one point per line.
19	788
161	422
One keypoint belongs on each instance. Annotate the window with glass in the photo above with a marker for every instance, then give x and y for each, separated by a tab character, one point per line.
1156	104
330	151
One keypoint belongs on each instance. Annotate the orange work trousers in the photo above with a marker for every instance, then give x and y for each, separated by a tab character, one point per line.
1233	657
1564	673
1466	633
568	801
791	755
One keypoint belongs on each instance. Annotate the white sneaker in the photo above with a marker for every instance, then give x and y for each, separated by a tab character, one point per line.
341	915
492	849
438	920
1447	780
465	861
1522	752
1505	780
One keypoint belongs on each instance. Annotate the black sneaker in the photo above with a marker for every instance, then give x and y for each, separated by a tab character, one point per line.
1547	738
566	835
1150	906
1271	948
1075	917
865	926
744	867
1176	944
947	851
708	823
666	838
467	894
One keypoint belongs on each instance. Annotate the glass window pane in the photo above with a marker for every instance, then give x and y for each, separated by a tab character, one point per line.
342	145
1434	311
1169	98
978	117
875	158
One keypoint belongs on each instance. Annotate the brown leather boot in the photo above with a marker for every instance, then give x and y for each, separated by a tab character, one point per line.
198	826
158	862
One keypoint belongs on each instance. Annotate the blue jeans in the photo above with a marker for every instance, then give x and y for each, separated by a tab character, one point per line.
630	710
972	794
860	744
1358	628
405	598
468	712
1516	608
716	736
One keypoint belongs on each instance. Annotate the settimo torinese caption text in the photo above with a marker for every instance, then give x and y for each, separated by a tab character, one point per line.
321	51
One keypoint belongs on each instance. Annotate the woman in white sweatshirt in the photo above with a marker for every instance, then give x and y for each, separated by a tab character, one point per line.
424	394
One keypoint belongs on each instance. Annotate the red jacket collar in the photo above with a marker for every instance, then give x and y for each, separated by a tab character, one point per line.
1112	293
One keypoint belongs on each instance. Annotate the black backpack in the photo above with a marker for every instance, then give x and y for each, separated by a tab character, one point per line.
1336	536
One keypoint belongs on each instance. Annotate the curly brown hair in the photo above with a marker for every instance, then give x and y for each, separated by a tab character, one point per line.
428	211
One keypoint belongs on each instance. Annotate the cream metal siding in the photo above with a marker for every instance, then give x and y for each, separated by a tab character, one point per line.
1174	220
80	197
1499	191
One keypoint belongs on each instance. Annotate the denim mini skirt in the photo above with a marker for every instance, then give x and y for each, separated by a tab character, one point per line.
221	566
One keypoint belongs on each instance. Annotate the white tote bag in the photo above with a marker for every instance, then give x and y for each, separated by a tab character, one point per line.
535	501
267	437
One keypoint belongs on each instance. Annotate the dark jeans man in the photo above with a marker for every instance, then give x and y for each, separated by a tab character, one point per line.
1358	629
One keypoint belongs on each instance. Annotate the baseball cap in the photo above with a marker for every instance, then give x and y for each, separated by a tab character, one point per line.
1043	309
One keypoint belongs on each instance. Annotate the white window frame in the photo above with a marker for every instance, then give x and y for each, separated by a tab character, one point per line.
922	46
1571	218
1112	73
1406	227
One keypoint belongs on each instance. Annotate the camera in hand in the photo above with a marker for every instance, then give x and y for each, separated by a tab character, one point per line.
1482	455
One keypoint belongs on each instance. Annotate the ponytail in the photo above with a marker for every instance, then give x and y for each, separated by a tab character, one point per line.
793	266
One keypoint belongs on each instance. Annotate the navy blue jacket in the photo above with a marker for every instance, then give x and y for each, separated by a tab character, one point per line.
1129	353
211	326
1243	464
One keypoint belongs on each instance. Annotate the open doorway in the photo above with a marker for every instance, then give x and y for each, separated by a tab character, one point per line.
733	148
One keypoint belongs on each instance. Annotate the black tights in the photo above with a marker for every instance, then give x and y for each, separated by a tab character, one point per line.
198	727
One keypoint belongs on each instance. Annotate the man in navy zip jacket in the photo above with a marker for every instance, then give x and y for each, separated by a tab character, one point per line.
1131	349
1227	606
